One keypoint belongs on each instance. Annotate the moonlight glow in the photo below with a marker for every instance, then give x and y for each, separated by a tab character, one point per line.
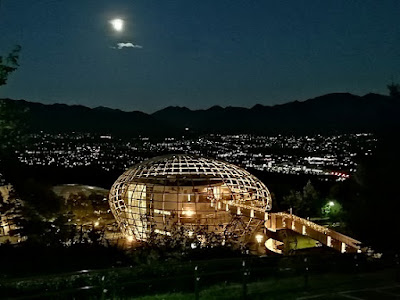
117	24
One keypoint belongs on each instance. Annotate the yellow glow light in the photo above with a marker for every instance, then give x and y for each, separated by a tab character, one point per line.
130	238
188	213
259	238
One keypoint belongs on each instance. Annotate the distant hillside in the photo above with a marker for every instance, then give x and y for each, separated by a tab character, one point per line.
77	118
340	112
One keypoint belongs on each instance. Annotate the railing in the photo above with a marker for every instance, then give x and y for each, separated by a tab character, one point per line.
251	277
281	220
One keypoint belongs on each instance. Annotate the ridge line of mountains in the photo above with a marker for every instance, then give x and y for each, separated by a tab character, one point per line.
331	113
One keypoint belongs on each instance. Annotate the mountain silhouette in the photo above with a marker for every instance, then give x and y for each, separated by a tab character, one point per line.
338	112
56	118
331	113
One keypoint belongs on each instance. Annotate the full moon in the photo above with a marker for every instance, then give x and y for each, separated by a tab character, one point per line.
117	24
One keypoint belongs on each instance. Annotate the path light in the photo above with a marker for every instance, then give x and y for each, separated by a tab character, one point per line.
259	238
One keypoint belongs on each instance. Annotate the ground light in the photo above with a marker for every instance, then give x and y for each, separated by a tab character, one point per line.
259	238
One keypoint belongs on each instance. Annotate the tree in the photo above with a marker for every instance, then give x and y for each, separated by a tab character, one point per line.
9	64
12	126
394	90
11	115
311	198
305	203
370	199
332	210
294	200
40	197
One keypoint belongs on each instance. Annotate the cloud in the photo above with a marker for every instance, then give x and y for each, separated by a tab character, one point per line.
127	45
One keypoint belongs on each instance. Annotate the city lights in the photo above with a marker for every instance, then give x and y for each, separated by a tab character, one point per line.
330	157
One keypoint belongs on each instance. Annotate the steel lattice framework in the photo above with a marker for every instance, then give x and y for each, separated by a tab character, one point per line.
158	194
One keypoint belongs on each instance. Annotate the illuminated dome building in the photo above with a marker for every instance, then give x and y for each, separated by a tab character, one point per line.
189	191
175	194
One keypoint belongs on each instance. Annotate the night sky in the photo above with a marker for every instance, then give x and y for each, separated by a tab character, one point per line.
199	53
